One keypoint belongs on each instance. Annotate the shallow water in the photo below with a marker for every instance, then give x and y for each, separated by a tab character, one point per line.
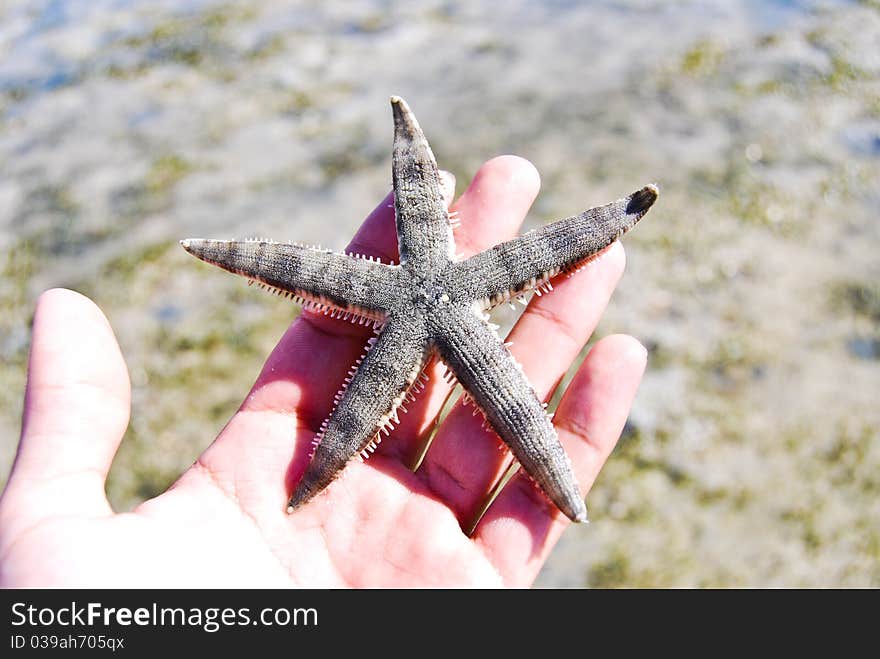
751	455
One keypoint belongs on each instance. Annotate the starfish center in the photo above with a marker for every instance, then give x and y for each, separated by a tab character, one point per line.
430	295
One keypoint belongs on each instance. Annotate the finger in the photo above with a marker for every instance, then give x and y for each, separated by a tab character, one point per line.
76	409
521	527
465	459
490	211
495	203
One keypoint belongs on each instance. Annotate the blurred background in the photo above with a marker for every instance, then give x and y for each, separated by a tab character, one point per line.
751	455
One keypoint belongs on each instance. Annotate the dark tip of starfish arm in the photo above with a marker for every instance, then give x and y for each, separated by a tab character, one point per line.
399	107
404	120
196	246
300	496
574	508
641	201
206	250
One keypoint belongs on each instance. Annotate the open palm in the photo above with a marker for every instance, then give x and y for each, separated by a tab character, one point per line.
223	523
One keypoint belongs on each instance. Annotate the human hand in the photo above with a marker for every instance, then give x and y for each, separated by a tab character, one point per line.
223	523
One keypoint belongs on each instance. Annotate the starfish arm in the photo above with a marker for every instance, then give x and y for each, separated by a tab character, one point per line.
367	405
424	233
528	261
318	278
497	385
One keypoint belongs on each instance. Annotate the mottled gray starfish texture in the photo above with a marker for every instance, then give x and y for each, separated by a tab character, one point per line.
431	303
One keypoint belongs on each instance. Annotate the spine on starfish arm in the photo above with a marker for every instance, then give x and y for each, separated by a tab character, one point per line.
527	263
321	280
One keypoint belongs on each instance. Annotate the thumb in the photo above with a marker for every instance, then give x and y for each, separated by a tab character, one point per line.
76	410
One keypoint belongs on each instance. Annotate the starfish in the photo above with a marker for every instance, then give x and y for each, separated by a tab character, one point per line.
431	303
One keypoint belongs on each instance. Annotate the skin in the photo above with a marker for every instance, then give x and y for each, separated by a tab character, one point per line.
223	523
